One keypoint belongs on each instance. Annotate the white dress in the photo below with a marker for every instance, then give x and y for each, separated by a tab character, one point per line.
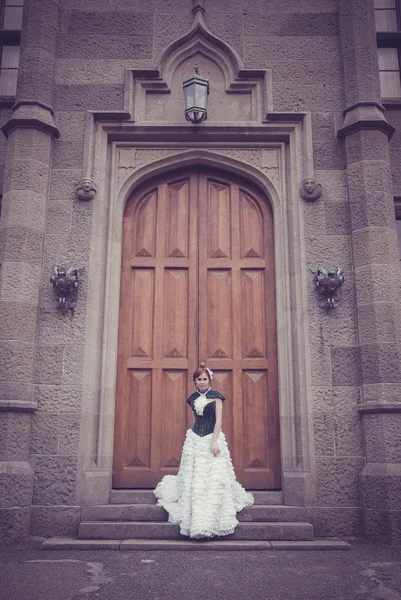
204	496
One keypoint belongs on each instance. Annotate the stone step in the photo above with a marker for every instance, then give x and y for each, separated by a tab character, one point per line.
151	512
109	530
147	497
69	543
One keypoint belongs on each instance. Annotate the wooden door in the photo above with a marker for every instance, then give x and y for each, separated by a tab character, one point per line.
197	284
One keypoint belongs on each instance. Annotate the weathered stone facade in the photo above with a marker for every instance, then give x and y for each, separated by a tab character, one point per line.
100	96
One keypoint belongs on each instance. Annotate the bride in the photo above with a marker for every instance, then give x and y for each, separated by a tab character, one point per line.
204	496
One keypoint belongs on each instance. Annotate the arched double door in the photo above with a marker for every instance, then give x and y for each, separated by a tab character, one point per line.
197	284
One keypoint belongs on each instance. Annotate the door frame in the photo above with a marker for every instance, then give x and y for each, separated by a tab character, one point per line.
279	183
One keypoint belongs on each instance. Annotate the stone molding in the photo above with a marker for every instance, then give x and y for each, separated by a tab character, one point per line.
389	407
33	114
17	406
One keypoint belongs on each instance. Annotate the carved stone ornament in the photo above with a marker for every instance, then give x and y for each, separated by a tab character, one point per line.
309	189
86	189
328	284
65	283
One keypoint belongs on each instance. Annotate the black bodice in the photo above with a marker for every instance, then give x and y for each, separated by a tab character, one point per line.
204	424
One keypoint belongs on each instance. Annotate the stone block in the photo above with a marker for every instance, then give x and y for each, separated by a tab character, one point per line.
329	250
44	12
104	46
338	481
16	480
378	323
24	143
93	71
338	522
223	6
54	480
338	327
372	208
81	22
21	244
18	321
19	282
357	27
293	24
381	285
380	363
227	26
73	363
395	159
29	175
14	525
320	362
38	35
57	328
346	366
68	440
60	398
337	218
381	486
348	434
16	391
334	185
323	427
16	361
23	208
375	245
67	250
372	175
323	124
63	183
71	124
298	98
361	76
44	433
14	435
346	398
48	521
328	154
313	213
36	85
381	392
262	50
366	145
36	60
49	364
382	437
89	97
169	27
322	399
383	526
82	219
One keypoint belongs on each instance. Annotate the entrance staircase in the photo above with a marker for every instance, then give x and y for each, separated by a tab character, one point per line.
133	521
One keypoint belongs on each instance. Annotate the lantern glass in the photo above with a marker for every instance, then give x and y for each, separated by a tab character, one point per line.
196	90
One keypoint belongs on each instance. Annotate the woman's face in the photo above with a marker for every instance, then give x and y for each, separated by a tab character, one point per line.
202	382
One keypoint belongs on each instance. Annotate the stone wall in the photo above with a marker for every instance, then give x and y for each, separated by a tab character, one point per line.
308	45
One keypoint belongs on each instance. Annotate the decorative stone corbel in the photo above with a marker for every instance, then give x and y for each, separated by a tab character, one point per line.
86	189
328	284
65	283
309	189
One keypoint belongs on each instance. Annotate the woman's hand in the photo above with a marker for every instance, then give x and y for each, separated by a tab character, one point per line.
214	448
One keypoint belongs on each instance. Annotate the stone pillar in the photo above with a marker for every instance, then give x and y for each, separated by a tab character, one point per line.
376	266
29	131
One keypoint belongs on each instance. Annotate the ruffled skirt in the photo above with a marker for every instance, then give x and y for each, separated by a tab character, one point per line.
204	496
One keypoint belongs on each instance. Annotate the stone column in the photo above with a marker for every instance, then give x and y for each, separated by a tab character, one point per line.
29	131
376	265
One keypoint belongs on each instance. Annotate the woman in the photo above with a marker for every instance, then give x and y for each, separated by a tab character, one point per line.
205	496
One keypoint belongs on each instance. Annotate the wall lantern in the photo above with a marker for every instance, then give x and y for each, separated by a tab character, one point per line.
196	90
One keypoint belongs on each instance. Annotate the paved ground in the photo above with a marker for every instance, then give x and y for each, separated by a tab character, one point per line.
368	572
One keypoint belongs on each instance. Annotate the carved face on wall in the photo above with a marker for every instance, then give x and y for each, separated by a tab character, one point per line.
86	189
309	185
310	189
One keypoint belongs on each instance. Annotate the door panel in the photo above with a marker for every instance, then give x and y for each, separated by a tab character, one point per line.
197	284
